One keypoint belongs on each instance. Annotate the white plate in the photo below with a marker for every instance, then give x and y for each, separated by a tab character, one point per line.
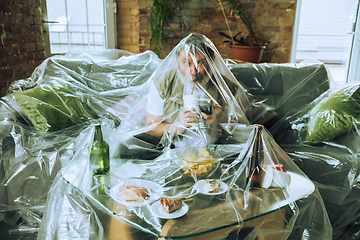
155	192
157	210
199	186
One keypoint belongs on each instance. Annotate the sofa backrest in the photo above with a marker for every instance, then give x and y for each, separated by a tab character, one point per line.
285	87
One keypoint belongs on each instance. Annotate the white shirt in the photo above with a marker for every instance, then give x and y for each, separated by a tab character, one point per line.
155	104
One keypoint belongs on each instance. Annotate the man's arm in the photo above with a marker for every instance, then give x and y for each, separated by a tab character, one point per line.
159	128
184	121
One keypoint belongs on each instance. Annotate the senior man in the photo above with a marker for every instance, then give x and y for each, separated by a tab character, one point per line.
194	67
195	70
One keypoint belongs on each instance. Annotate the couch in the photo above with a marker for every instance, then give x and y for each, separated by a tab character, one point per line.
33	150
333	165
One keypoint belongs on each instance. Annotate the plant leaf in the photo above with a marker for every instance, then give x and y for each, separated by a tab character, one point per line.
224	35
237	34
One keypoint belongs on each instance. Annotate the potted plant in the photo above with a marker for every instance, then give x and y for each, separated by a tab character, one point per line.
245	45
162	11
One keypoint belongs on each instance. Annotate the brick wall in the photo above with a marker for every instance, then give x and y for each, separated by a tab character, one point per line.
22	44
128	25
21	40
273	20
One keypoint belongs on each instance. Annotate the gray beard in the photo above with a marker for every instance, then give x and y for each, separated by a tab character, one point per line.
200	78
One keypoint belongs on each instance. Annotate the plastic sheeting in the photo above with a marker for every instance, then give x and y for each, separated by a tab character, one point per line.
74	89
47	132
280	206
303	97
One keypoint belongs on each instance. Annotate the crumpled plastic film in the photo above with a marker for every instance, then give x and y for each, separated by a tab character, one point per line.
41	115
329	113
280	206
310	104
283	88
189	95
74	89
47	126
29	163
188	99
322	140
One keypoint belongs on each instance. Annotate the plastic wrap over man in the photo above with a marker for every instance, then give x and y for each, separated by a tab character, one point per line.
192	93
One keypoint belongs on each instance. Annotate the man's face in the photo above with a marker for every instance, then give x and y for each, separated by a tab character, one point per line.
192	66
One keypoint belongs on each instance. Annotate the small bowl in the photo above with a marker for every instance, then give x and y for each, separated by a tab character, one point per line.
198	162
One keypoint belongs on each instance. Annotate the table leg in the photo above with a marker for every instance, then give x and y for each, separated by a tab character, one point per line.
219	234
271	226
119	229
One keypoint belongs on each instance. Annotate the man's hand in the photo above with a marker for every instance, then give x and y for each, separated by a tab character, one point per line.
214	117
186	119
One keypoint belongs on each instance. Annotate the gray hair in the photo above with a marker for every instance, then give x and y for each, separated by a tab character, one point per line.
197	44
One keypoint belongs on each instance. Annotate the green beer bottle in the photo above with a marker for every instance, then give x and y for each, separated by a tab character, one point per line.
99	155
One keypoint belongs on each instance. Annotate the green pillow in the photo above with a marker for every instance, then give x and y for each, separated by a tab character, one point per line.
334	115
51	108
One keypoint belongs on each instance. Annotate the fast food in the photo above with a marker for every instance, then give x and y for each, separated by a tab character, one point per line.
170	205
212	186
135	194
195	168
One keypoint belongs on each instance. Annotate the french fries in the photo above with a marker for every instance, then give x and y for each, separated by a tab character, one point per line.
195	168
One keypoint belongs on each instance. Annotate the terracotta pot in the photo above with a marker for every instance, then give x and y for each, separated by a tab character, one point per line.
248	53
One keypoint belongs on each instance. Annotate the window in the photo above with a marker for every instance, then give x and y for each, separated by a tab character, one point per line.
322	32
79	25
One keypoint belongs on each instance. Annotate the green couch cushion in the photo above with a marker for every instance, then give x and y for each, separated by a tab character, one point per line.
52	108
334	115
